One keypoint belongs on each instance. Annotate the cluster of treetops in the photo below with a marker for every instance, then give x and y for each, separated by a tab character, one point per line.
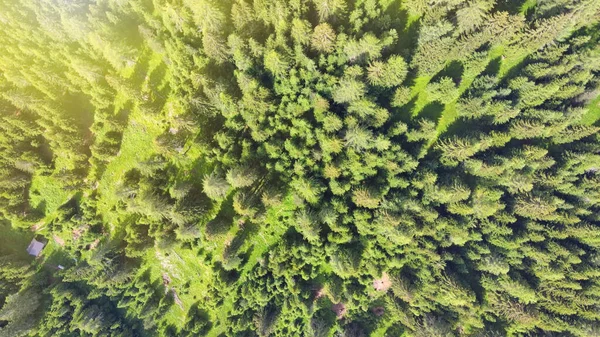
421	168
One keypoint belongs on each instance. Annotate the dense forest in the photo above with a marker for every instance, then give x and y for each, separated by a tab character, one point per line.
311	168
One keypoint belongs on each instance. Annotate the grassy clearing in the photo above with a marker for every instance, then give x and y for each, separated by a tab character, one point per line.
511	61
418	91
188	274
268	236
47	194
276	229
14	241
450	114
137	145
593	113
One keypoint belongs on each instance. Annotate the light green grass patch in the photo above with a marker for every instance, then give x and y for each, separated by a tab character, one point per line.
48	193
267	238
593	113
496	51
418	91
182	266
449	114
510	61
448	117
137	146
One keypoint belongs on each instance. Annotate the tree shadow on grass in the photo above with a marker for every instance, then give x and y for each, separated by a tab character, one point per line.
198	321
432	111
493	68
408	34
42	207
236	251
462	127
228	276
221	224
156	80
454	70
403	113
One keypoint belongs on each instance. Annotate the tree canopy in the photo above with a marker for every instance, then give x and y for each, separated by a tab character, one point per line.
300	168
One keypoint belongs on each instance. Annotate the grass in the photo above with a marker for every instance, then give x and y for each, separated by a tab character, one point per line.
14	241
418	91
47	194
450	114
268	237
190	276
183	268
137	146
382	329
593	113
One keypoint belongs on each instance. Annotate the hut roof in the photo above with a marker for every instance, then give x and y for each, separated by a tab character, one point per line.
35	247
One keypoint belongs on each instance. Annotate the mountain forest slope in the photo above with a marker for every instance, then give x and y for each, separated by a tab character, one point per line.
314	168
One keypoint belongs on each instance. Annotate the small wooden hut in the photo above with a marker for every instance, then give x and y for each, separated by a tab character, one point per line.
35	248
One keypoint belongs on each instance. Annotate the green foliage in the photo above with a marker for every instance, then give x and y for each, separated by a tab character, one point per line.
323	38
388	74
216	187
299	168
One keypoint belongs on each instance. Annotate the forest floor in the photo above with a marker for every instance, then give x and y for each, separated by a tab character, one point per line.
137	146
593	113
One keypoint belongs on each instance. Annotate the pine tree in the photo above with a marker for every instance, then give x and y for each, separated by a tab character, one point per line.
214	186
323	38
